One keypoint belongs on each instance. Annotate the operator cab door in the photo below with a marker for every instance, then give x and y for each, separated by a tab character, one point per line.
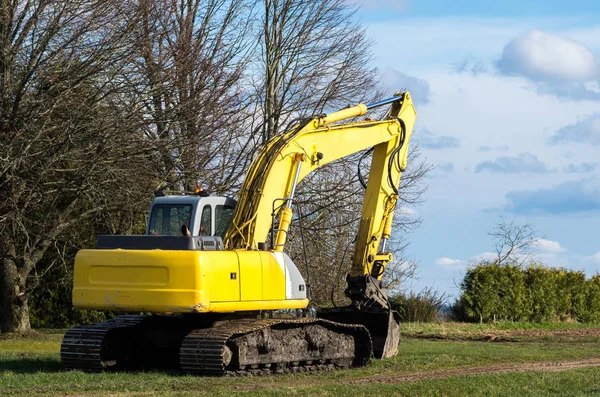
214	215
206	221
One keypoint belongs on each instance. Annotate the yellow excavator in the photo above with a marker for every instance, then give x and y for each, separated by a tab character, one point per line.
208	265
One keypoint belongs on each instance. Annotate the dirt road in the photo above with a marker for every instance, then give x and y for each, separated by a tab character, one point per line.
511	335
546	366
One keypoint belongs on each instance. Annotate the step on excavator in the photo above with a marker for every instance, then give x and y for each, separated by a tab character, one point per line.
208	265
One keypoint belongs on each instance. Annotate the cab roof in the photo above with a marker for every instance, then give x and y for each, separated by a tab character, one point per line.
191	199
187	199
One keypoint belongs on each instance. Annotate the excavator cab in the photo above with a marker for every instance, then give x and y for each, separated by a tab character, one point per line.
201	215
188	222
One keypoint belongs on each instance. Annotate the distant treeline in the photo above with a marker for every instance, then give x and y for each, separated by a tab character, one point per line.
510	292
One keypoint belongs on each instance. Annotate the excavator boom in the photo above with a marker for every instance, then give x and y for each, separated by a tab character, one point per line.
286	159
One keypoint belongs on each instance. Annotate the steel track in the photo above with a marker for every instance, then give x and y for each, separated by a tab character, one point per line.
205	351
83	347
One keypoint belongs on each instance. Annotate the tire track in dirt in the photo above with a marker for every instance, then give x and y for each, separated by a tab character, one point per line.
509	335
544	366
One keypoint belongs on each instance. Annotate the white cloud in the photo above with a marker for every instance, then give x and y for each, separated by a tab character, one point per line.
592	259
586	130
550	259
548	246
448	262
408	211
473	107
540	56
484	257
549	253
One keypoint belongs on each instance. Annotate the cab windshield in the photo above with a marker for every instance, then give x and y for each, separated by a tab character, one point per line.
167	219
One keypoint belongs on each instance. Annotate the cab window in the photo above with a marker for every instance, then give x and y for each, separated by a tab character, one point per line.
206	221
223	217
167	219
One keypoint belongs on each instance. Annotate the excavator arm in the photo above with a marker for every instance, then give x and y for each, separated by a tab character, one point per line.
270	185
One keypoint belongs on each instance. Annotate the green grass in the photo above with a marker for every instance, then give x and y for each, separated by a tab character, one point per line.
30	366
507	331
569	383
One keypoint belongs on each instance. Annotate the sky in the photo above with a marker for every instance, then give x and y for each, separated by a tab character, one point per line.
508	101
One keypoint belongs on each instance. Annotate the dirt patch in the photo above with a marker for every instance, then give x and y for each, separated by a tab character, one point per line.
546	366
512	335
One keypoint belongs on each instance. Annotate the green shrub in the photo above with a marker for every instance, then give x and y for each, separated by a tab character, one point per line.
492	292
593	299
542	293
423	307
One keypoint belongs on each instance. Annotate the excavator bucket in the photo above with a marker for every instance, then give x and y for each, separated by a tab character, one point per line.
383	325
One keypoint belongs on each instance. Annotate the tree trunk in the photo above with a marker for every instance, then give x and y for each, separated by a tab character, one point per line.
14	312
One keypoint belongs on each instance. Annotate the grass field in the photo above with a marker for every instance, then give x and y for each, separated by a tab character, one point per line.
434	359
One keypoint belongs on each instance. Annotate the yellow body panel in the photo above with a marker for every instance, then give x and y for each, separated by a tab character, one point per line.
166	281
224	272
226	307
251	279
273	277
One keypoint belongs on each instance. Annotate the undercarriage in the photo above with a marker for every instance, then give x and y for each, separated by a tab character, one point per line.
216	346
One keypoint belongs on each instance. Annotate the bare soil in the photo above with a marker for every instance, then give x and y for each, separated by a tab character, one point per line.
514	335
546	366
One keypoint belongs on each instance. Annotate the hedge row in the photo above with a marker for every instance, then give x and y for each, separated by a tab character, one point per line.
492	292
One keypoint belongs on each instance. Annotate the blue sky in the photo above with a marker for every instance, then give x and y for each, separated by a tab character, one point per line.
380	9
508	102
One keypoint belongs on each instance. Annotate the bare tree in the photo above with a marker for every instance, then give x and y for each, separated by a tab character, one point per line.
513	243
64	143
314	57
191	56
